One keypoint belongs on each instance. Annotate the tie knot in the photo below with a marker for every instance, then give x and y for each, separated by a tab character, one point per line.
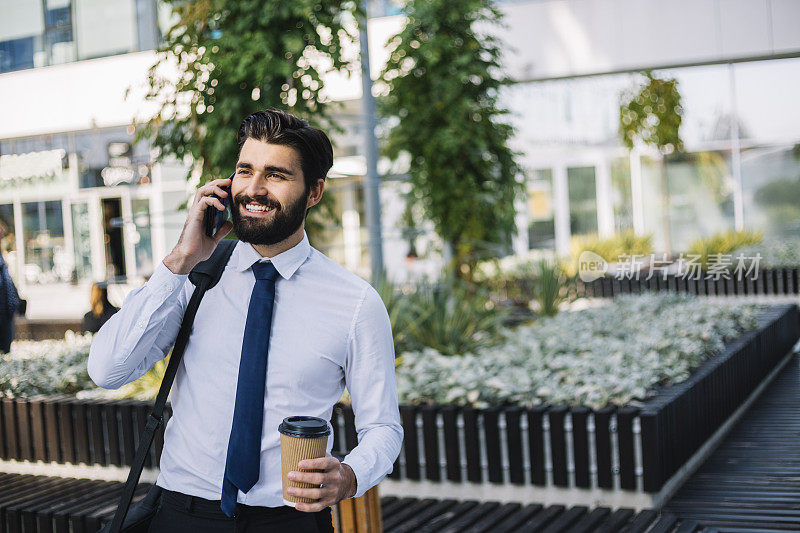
265	271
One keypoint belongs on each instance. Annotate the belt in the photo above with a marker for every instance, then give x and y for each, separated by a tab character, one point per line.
211	507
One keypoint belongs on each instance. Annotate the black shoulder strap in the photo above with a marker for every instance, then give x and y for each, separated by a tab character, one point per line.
214	265
204	275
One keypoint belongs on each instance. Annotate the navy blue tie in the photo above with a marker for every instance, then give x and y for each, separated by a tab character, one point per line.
244	445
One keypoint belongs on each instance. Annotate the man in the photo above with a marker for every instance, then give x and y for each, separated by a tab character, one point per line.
329	329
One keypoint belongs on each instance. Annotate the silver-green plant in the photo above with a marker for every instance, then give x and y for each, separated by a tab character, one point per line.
616	353
55	366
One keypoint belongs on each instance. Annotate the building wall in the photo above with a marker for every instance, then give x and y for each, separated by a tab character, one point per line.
565	38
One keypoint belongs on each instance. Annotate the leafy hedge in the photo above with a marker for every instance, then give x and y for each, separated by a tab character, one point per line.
615	353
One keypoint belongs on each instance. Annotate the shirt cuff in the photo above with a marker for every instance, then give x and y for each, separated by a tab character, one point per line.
361	470
165	279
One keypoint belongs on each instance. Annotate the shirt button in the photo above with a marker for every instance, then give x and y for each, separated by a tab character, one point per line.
140	324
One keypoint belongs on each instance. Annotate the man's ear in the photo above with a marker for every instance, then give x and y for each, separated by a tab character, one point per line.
315	195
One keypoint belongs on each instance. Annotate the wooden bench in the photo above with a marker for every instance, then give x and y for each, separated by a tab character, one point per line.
41	504
45	504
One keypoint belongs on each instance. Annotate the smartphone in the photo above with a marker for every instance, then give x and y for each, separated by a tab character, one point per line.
214	218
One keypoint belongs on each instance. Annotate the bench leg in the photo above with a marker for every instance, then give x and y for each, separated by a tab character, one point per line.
359	515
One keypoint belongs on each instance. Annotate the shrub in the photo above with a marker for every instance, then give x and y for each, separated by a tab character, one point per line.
550	287
723	243
511	277
610	249
450	316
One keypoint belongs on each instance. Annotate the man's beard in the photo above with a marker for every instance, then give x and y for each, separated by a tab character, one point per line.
285	220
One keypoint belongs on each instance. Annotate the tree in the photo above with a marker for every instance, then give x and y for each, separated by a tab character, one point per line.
651	115
234	58
443	79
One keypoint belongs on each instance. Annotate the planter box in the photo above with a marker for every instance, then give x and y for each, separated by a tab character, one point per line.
63	429
679	419
631	448
27	329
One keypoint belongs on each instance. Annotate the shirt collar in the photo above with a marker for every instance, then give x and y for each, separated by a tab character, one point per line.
286	263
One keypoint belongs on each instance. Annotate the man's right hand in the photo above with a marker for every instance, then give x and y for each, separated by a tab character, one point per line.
194	245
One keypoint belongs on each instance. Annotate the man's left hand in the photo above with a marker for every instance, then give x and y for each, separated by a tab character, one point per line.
337	480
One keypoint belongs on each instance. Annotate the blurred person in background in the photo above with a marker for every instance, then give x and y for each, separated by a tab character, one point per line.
101	309
8	307
9	300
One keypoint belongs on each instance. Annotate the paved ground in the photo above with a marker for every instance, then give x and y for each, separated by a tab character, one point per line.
752	481
450	516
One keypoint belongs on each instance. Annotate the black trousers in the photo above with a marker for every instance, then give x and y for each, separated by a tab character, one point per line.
179	512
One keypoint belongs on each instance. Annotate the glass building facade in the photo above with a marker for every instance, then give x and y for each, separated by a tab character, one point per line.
740	168
83	205
52	32
92	204
77	206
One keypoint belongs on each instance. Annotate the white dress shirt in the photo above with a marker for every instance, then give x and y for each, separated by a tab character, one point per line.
330	329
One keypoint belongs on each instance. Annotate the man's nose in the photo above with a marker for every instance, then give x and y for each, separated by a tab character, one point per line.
256	186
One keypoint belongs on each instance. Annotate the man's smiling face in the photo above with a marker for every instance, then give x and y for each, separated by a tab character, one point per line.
269	193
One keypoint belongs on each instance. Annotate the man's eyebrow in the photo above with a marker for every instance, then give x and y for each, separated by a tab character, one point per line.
267	168
274	168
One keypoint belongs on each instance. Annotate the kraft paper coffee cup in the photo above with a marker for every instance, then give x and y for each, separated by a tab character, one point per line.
302	437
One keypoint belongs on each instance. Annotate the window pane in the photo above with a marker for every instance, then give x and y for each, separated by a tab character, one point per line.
771	186
58	32
766	99
41	143
107	158
652	201
700	196
582	200
16	54
143	242
575	111
706	101
60	46
46	260
105	27
174	215
541	231
81	239
113	237
621	193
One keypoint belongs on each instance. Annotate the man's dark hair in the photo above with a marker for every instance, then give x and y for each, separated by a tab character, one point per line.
279	127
